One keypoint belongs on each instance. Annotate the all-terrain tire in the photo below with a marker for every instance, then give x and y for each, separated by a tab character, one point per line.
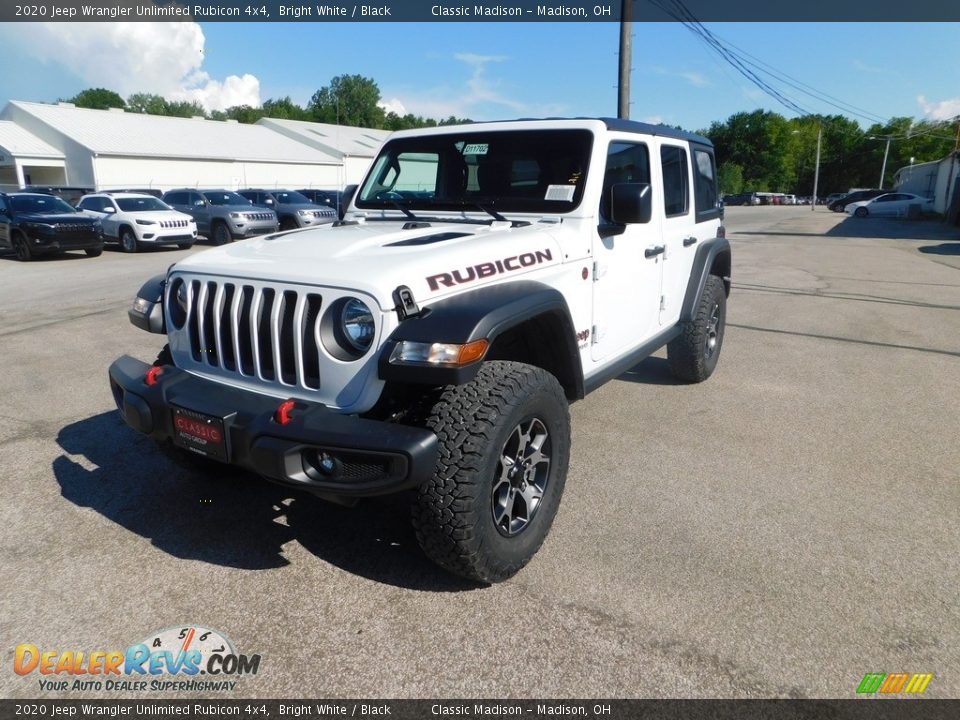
504	447
694	353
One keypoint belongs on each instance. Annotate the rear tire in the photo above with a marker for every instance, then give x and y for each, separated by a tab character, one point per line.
504	447
694	353
22	248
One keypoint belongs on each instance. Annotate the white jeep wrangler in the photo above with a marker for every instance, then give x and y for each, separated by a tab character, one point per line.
484	277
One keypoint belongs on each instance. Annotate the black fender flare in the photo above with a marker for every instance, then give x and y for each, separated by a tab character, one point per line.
714	253
152	320
486	312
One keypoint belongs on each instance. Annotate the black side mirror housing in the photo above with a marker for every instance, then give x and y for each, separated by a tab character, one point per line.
631	203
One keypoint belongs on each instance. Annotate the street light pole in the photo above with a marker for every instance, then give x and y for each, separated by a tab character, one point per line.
883	170
816	172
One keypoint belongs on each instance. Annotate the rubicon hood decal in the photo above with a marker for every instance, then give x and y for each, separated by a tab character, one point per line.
488	269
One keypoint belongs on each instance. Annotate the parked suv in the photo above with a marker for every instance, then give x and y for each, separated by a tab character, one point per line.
34	224
293	209
222	215
135	220
434	342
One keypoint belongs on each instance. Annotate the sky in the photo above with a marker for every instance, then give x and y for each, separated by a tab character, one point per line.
488	71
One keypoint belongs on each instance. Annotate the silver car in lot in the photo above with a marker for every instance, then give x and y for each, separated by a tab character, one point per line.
293	209
222	215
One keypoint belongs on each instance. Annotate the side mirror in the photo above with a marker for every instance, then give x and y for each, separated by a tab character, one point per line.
199	203
631	203
109	210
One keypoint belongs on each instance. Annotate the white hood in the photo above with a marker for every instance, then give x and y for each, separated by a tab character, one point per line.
367	257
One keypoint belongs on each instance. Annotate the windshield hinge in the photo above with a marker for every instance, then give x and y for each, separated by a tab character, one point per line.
406	305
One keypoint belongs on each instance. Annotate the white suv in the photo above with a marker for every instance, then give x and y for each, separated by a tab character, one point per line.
137	220
484	277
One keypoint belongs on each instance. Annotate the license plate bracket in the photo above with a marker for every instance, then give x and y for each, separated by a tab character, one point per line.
200	433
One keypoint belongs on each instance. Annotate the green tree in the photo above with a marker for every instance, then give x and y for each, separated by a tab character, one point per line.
147	103
244	113
285	109
730	178
98	99
185	108
348	100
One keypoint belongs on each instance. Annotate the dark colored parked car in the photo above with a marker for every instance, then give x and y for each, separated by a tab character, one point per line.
839	205
70	193
33	223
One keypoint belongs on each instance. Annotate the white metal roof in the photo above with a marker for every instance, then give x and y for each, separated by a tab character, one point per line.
338	140
19	143
111	132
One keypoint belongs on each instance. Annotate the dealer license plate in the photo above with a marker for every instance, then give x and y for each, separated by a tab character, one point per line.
199	433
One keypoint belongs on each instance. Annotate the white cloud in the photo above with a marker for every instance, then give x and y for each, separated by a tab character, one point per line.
653	119
163	58
479	96
860	65
692	77
942	110
394	105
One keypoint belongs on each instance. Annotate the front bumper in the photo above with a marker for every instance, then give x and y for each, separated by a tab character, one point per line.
367	457
63	243
250	228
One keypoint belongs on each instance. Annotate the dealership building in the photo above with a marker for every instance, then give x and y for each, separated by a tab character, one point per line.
60	144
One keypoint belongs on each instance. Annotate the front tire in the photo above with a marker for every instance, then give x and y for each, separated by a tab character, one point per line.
94	252
694	353
504	447
221	234
128	241
861	212
22	248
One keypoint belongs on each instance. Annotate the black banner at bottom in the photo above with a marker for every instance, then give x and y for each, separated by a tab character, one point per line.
860	709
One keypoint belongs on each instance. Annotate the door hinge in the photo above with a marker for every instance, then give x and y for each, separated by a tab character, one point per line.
663	303
599	270
596	333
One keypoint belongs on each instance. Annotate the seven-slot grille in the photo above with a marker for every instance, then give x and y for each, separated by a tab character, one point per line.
261	332
75	228
258	216
173	223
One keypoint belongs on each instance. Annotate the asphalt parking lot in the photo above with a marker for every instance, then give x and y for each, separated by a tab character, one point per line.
780	530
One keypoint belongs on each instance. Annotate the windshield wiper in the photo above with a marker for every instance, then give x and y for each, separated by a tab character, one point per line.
489	211
405	210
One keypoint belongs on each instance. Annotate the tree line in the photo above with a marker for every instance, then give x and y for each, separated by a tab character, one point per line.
759	151
348	100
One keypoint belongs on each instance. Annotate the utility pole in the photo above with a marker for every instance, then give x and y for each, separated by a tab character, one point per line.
816	172
626	55
883	170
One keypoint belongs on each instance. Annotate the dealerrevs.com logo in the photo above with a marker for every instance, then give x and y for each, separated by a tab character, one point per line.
184	658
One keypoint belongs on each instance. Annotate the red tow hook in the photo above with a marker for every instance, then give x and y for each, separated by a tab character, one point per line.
152	374
283	414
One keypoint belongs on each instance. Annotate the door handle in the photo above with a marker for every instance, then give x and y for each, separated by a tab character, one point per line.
688	241
653	251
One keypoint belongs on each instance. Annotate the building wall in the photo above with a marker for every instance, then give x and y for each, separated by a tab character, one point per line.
164	174
947	178
78	160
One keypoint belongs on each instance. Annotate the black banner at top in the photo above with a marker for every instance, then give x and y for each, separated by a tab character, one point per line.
484	11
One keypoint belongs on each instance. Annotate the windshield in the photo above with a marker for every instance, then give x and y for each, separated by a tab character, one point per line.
142	204
535	171
292	198
225	198
43	204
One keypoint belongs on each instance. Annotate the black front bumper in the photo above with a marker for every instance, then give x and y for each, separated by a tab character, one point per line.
318	450
63	243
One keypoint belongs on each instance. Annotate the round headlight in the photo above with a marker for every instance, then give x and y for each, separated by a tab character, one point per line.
356	321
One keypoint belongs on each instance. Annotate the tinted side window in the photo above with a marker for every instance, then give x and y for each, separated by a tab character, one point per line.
195	198
175	198
676	185
626	163
705	185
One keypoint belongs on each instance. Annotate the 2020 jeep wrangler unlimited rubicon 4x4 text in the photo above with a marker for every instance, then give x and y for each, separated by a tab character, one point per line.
484	277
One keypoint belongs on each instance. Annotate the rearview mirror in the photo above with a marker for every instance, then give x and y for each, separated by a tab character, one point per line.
631	203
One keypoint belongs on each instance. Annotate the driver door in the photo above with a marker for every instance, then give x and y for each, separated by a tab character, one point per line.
628	262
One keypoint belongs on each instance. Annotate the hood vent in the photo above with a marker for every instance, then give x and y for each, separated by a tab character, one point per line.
429	239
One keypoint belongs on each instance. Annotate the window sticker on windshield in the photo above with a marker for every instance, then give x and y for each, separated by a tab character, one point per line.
476	149
563	193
